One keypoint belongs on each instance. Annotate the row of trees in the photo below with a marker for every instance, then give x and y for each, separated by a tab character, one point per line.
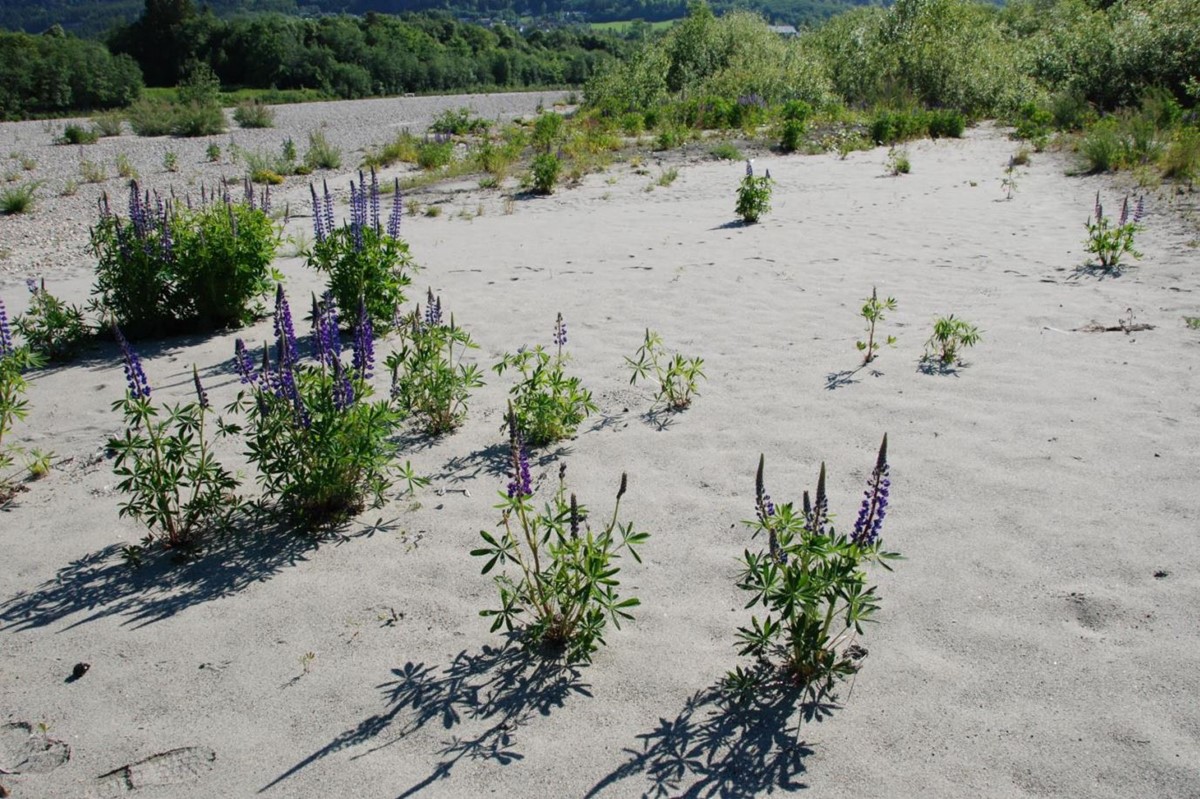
55	73
962	54
349	56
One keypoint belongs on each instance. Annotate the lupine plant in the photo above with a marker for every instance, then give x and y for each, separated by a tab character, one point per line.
168	267
950	337
365	261
1110	241
547	405
812	585
174	483
13	405
872	312
754	195
676	376
54	328
323	448
563	589
429	380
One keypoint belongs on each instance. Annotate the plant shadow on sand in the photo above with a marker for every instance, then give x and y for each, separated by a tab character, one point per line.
717	747
847	377
495	460
103	584
492	693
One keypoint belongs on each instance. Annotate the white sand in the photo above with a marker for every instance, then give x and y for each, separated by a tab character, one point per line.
1026	648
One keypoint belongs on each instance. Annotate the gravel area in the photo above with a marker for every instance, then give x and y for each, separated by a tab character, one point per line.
52	239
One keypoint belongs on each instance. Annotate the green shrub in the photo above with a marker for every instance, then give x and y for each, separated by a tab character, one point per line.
725	151
893	127
1181	160
77	134
435	153
945	123
544	173
1102	146
53	328
405	147
152	117
254	114
107	125
547	130
791	135
459	122
198	119
19	199
321	154
754	196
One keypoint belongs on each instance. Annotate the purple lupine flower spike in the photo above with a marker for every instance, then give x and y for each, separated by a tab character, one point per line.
1124	211
318	224
1140	210
135	376
343	389
521	483
6	343
875	502
762	500
285	332
433	310
244	363
393	226
328	208
375	202
364	344
749	167
560	332
574	517
32	285
1099	209
201	394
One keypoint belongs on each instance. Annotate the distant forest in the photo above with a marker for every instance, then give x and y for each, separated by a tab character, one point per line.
97	17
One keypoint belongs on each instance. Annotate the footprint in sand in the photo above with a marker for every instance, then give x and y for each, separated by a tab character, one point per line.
175	767
22	751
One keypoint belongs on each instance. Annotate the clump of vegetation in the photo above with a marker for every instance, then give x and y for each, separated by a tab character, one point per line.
174	484
872	311
811	582
725	151
19	199
1110	240
54	329
676	376
897	162
322	446
543	174
14	361
321	154
459	122
567	575
547	405
430	382
254	114
78	134
435	152
950	337
754	195
366	261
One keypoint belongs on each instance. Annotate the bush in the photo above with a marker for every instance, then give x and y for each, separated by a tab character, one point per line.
366	263
164	270
435	153
18	200
754	196
322	447
544	173
13	405
198	119
174	484
405	147
945	123
321	154
54	329
77	134
1181	160
950	336
107	125
1102	146
152	118
547	130
726	151
893	127
792	135
223	255
565	588
459	122
254	114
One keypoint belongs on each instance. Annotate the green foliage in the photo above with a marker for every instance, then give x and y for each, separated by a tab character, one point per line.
376	271
125	167
872	313
435	153
676	376
547	406
107	125
566	582
182	270
92	172
1181	160
459	122
14	361
54	329
791	135
170	161
544	173
754	196
52	75
1111	240
403	148
812	585
196	119
321	154
18	199
547	131
213	153
429	380
726	151
898	163
222	262
945	123
173	483
152	117
254	114
1193	322
322	446
78	134
950	337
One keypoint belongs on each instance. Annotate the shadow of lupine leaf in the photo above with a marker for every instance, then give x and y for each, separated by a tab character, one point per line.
103	584
836	380
494	692
715	747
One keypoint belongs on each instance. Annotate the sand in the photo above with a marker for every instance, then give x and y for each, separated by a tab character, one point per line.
1039	640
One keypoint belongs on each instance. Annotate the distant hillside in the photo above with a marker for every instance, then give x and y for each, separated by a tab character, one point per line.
94	17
